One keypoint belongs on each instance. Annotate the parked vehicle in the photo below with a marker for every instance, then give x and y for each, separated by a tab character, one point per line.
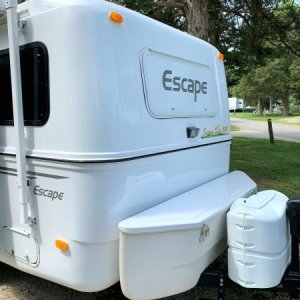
122	167
236	104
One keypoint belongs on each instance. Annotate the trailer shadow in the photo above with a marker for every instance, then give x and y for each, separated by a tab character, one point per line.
17	285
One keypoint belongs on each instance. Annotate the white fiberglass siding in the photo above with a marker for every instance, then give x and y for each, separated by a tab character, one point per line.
97	106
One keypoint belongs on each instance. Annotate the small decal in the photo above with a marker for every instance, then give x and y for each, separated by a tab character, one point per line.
218	131
47	193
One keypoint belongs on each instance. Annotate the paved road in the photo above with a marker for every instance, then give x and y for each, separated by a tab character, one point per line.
259	129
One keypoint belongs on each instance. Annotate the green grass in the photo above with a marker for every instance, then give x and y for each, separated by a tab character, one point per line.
294	119
234	128
271	166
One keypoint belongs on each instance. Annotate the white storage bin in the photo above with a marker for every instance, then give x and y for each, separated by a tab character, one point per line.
258	240
164	250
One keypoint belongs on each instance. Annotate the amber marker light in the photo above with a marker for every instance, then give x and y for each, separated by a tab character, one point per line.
220	56
62	245
116	17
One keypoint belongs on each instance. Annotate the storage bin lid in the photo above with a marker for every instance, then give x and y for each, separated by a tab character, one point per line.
259	200
192	208
264	202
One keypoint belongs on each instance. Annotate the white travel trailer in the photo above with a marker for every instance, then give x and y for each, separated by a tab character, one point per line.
236	104
126	135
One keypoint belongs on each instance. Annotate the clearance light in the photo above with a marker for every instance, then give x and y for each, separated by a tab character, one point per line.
116	17
62	245
220	56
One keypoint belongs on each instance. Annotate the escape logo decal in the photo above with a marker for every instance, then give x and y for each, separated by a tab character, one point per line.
47	193
219	130
187	85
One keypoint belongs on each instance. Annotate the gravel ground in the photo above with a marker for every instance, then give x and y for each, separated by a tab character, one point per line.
17	285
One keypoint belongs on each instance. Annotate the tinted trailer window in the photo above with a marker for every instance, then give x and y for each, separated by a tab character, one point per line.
35	85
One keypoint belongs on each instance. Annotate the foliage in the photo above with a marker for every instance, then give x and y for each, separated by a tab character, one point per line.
286	27
248	88
294	105
170	15
278	77
249	33
295	75
278	80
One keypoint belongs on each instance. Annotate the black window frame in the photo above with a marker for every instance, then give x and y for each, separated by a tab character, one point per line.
45	94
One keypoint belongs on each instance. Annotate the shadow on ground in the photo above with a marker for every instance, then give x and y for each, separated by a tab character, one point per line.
17	285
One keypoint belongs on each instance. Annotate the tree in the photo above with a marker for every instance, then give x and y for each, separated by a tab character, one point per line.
250	89
278	70
196	14
278	79
295	75
286	27
190	15
239	28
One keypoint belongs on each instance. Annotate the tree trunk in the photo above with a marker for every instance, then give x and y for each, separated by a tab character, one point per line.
196	12
271	106
259	106
285	101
